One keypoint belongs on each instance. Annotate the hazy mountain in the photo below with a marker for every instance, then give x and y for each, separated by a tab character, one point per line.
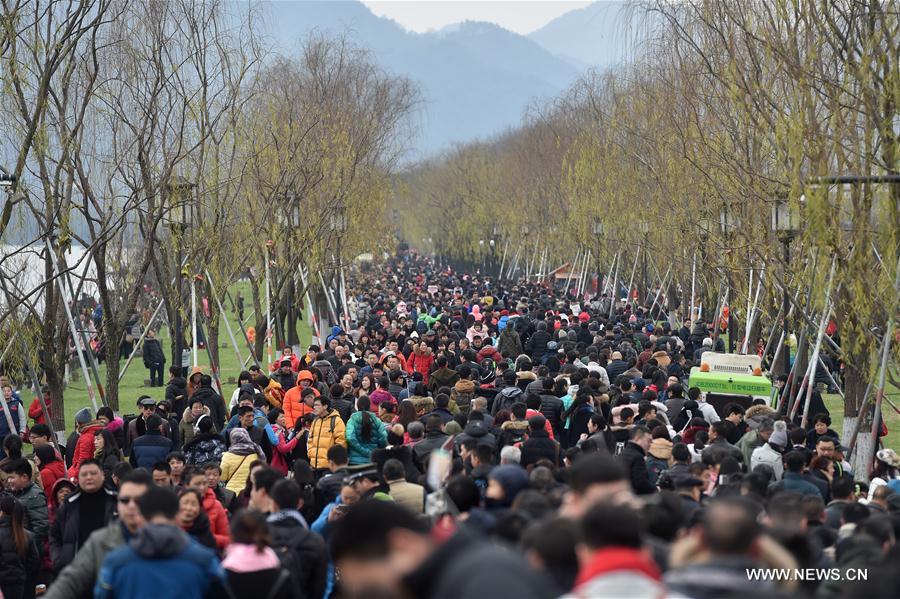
600	34
476	78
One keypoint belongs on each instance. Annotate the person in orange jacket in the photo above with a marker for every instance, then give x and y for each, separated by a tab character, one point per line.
218	517
294	407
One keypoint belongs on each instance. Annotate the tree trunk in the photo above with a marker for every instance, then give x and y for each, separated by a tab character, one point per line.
114	334
260	323
855	383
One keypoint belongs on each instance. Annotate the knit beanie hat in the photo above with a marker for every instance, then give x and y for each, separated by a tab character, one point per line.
779	435
83	416
512	478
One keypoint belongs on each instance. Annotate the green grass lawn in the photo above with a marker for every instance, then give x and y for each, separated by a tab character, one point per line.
892	419
132	384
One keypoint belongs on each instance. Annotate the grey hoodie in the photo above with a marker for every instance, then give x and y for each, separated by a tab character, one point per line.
506	398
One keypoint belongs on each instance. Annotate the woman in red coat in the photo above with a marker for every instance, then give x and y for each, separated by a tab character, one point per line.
218	517
84	447
51	467
421	361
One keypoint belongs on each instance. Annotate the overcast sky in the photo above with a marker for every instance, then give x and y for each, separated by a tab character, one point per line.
516	15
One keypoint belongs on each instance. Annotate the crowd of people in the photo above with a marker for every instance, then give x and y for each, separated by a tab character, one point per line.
461	438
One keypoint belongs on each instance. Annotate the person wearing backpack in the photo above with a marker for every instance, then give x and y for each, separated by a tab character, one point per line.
251	565
326	431
514	430
301	552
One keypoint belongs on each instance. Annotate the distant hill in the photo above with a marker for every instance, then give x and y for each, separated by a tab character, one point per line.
598	35
476	78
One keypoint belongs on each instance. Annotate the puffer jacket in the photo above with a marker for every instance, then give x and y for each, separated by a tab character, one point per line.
539	446
421	362
218	519
16	568
293	405
203	448
84	449
509	342
324	433
462	394
360	450
442	377
552	409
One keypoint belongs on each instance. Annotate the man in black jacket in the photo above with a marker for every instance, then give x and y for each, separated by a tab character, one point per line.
509	395
551	406
89	509
539	445
154	358
329	486
434	438
176	391
302	552
633	459
211	400
536	345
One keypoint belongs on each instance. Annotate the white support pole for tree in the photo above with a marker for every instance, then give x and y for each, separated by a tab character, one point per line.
231	337
194	343
317	339
13	426
615	289
693	286
503	259
63	291
633	270
328	299
814	361
585	272
268	312
751	312
662	284
344	300
572	269
612	265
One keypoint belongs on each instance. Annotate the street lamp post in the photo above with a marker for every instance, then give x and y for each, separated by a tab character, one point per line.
178	187
728	223
786	225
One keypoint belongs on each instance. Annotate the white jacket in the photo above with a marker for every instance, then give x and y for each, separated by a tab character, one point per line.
766	455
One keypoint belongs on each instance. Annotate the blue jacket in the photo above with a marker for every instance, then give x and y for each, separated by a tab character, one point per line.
360	450
259	420
148	449
161	561
15	407
794	483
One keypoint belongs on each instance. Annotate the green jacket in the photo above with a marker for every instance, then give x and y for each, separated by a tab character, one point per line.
750	441
78	578
36	519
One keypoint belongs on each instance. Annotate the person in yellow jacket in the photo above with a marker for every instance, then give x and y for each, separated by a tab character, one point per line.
326	431
242	452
